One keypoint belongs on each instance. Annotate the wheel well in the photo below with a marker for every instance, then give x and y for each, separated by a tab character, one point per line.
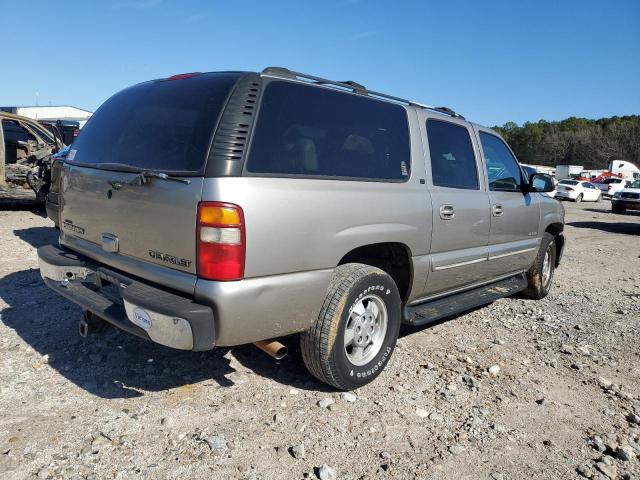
555	229
392	258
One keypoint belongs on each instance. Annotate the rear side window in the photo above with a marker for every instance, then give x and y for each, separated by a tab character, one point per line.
160	125
14	133
453	163
318	132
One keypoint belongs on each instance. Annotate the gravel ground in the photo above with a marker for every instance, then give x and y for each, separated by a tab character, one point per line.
518	389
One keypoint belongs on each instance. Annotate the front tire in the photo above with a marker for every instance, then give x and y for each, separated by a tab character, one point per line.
357	328
618	209
540	275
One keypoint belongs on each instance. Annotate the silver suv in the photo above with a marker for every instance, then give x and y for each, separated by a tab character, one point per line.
218	209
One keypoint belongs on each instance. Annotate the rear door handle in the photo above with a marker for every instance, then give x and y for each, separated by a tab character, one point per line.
497	210
447	212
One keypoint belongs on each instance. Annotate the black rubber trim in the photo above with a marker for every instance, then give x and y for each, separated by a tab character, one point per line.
560	243
104	297
430	312
231	139
64	258
53	212
94	302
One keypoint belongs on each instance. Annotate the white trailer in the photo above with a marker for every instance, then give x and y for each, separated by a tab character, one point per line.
564	172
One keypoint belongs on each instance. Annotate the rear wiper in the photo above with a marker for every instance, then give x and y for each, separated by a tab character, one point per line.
144	176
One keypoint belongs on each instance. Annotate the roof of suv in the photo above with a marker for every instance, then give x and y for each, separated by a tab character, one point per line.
353	87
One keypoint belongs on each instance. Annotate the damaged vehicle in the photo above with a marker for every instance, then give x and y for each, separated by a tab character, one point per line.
26	149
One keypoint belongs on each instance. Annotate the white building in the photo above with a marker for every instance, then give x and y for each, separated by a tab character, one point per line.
59	112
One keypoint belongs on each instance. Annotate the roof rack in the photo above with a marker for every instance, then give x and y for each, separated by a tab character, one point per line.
353	87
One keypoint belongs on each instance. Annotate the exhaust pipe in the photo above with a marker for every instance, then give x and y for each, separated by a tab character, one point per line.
273	348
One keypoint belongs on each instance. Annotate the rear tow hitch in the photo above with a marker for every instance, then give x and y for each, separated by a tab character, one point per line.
89	324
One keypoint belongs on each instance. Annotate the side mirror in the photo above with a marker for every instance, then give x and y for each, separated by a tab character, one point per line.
541	182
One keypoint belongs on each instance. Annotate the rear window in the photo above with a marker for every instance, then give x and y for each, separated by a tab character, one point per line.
612	180
568	182
318	132
161	125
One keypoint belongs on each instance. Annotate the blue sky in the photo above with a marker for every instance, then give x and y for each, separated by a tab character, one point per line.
493	61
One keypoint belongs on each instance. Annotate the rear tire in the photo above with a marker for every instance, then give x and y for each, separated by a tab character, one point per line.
540	275
578	198
362	305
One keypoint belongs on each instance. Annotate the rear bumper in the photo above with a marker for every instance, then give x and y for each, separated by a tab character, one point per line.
136	307
628	204
569	195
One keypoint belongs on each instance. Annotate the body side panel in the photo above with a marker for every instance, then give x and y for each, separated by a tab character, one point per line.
459	245
514	235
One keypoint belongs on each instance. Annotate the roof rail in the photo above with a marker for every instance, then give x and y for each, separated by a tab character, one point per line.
353	87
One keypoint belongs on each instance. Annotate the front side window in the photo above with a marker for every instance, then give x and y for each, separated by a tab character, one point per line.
502	168
318	132
453	163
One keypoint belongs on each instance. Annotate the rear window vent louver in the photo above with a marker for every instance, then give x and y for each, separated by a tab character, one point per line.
232	135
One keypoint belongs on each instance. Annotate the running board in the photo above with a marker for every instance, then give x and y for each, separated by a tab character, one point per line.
434	310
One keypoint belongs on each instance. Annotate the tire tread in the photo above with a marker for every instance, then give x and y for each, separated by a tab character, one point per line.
316	342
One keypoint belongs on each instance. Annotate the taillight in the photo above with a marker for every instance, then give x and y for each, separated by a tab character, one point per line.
568	189
609	187
182	76
221	241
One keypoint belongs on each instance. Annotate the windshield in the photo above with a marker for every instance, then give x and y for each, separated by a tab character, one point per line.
612	180
161	125
568	182
635	184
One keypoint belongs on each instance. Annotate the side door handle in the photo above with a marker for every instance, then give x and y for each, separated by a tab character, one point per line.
496	210
447	212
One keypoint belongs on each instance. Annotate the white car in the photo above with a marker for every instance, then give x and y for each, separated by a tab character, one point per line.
612	185
578	191
627	198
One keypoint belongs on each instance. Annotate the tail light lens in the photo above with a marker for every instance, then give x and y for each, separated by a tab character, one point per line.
568	189
609	187
221	241
182	76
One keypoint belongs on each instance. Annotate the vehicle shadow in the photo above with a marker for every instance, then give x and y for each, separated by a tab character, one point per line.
38	236
625	228
630	213
288	371
22	206
113	363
